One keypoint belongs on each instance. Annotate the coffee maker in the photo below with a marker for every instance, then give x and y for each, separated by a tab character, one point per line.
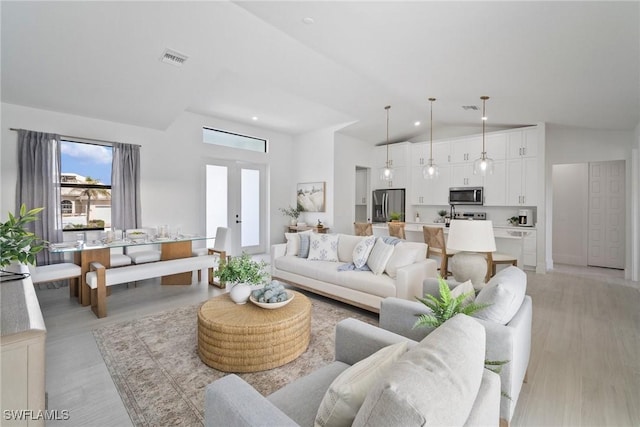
525	218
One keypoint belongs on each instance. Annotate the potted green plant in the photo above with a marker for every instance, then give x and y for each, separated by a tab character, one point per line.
294	213
395	216
442	213
16	242
513	221
243	272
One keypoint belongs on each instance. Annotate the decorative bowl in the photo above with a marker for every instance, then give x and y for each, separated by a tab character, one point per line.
273	305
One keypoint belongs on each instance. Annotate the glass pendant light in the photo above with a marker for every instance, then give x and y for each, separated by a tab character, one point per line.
483	165
430	170
387	172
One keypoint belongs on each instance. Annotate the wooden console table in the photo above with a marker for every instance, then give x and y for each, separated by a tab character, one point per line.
298	228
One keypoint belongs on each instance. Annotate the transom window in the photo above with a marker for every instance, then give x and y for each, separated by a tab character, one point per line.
85	185
233	140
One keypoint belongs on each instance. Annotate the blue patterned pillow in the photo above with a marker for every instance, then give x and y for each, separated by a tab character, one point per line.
362	250
324	247
304	246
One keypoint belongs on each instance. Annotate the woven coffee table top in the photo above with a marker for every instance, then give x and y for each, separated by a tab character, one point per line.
248	338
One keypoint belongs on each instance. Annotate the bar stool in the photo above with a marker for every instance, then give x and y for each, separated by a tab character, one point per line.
434	238
396	229
363	228
495	258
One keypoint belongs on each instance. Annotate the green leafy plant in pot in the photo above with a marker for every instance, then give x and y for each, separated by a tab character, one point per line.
242	272
447	306
395	216
16	242
292	212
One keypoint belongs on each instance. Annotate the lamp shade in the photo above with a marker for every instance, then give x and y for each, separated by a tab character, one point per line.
471	236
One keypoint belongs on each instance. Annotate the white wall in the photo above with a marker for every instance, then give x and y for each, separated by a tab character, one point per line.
565	145
172	162
570	213
314	162
349	153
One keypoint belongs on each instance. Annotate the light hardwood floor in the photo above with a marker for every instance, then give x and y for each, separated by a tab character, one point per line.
584	368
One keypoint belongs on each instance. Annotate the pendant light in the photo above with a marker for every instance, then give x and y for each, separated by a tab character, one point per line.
483	165
387	172
431	170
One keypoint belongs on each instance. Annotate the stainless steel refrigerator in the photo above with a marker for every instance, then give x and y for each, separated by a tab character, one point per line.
387	201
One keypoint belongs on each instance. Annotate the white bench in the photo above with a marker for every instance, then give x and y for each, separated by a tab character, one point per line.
55	272
99	277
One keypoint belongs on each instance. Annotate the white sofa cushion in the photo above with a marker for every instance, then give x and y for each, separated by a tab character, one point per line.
293	242
465	288
323	247
504	293
402	256
346	393
346	245
434	383
379	256
362	251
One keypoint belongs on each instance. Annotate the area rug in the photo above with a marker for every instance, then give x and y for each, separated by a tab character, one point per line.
156	369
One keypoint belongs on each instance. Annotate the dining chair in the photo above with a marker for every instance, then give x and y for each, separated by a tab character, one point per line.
363	228
434	238
221	245
143	253
396	229
495	258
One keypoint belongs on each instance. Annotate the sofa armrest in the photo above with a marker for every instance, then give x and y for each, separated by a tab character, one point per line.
409	278
278	250
231	402
399	315
357	340
486	408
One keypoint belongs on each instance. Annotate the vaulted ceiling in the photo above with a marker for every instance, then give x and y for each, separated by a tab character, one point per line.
303	65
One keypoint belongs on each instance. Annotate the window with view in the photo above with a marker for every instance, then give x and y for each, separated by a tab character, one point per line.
85	187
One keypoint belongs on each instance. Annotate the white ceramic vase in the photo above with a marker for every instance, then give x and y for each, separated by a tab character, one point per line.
240	292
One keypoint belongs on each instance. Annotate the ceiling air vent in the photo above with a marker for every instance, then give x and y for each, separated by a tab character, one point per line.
174	58
470	107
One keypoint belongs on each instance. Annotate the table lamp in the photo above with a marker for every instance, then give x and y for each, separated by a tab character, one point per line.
473	239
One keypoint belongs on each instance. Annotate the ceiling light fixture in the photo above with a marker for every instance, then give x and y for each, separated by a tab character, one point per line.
387	172
483	165
254	118
416	123
430	170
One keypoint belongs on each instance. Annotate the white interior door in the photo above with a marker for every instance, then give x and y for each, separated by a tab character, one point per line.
606	214
236	198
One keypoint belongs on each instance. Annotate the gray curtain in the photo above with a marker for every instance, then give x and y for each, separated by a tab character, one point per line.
125	187
38	185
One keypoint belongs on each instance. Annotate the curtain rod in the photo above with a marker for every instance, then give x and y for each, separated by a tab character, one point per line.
82	139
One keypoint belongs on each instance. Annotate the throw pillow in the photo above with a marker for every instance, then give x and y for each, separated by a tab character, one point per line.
304	245
504	293
323	247
293	244
379	256
362	250
346	393
402	256
465	288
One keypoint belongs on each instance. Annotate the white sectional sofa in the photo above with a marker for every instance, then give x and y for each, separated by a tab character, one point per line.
403	273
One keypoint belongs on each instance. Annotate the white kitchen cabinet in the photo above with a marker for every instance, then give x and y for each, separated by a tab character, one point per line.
462	176
437	190
361	187
530	242
496	146
495	185
522	143
421	151
398	154
522	185
466	149
400	179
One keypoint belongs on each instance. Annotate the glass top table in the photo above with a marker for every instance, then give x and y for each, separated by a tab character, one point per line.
71	247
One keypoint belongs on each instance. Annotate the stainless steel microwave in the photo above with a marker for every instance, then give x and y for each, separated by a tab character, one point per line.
466	195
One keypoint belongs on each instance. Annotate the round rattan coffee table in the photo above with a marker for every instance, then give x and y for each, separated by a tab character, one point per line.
248	338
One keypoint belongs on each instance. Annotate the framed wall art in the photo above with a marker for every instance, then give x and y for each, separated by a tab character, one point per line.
311	196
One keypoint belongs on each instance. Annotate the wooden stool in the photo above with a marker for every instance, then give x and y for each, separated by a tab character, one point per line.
495	258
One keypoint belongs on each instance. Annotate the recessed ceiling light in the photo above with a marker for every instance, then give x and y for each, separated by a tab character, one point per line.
254	118
308	20
416	123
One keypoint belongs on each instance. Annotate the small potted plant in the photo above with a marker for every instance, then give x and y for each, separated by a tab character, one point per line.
442	213
395	216
513	221
294	213
16	242
243	272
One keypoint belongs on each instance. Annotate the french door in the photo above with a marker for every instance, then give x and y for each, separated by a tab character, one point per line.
236	198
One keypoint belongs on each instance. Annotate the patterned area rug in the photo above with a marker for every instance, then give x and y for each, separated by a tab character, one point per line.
155	366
